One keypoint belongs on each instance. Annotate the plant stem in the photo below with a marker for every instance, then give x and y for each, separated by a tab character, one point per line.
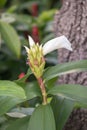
43	90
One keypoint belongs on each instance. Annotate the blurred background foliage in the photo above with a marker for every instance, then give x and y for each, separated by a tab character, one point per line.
18	19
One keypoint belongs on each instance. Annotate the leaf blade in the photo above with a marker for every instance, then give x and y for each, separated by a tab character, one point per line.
11	38
9	88
6	103
42	119
66	68
72	92
19	124
62	108
32	90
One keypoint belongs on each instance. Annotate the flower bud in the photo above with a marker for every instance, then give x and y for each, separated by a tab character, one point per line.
36	60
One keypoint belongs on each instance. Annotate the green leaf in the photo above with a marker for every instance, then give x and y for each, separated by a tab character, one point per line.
62	109
73	92
23	18
2	3
11	94
42	119
6	103
19	124
11	38
32	90
65	68
9	88
50	83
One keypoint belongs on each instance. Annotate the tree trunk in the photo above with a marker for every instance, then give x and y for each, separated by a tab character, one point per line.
71	21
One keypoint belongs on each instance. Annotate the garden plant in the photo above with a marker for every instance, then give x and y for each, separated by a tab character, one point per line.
54	102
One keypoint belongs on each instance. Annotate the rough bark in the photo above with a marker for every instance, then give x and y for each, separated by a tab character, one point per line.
71	21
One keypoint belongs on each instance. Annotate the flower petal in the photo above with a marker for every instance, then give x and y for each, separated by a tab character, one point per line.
31	41
27	49
56	43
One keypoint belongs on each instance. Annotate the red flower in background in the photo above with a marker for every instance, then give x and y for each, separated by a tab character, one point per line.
34	9
35	33
21	75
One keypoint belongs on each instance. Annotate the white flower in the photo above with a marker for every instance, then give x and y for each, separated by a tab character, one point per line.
51	45
31	41
56	43
36	53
